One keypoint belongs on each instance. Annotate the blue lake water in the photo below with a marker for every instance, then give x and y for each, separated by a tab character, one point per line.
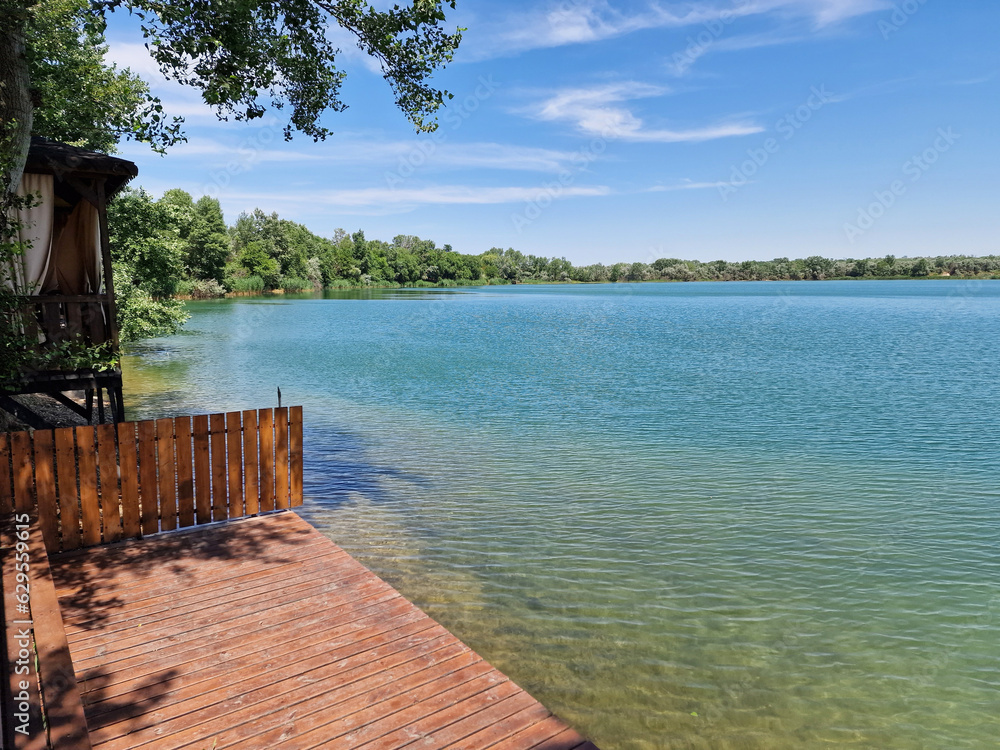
712	515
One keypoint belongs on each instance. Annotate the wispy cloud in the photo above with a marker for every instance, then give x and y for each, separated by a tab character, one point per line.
598	111
584	21
448	156
253	147
178	100
685	185
409	198
682	61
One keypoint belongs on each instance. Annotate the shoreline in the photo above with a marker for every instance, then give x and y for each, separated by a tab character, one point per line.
425	285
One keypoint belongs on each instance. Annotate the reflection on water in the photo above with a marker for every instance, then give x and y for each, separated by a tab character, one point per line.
682	516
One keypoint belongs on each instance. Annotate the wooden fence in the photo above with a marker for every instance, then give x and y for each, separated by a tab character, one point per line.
94	485
42	709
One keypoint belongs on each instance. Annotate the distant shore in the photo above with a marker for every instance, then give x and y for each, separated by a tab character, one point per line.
448	284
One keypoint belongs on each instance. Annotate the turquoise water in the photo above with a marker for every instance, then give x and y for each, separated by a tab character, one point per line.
739	515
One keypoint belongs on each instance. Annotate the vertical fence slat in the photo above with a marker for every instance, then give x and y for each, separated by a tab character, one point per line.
107	461
6	490
234	443
24	489
185	472
105	483
45	487
69	510
220	506
281	458
202	470
295	454
149	507
266	432
167	473
128	460
251	492
90	509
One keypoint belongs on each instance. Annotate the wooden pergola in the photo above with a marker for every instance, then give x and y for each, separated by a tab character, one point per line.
70	293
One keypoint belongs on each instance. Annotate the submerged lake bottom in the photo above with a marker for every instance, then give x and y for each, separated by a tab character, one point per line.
712	515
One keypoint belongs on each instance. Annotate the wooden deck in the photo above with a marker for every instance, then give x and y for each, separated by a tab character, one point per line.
261	633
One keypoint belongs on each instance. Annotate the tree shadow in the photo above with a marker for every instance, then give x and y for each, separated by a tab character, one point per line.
341	470
89	580
131	610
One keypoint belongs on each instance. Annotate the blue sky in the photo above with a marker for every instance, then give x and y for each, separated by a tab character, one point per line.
623	131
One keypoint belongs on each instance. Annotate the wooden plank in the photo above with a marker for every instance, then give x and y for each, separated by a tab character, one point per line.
234	444
220	502
166	473
107	461
295	455
224	638
149	512
45	488
185	472
24	485
67	725
69	504
251	442
18	648
90	507
351	662
266	433
281	458
6	486
128	460
202	470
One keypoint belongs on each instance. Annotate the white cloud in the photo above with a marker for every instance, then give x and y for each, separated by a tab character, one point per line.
178	100
254	148
584	21
430	154
597	111
686	185
408	198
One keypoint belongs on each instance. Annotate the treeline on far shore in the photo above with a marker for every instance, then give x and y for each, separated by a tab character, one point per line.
179	247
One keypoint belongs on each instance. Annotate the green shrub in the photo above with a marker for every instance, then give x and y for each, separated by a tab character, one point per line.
296	284
206	289
244	284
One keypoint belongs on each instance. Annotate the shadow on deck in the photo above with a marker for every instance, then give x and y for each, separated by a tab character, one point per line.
262	633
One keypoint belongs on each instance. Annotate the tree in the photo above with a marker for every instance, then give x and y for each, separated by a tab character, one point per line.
147	254
80	99
244	56
208	241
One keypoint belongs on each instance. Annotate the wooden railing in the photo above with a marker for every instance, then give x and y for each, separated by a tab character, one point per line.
83	486
94	485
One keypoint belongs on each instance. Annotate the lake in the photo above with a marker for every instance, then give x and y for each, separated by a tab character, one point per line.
710	515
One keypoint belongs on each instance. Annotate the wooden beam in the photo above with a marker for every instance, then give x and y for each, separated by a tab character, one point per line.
23	413
69	403
109	281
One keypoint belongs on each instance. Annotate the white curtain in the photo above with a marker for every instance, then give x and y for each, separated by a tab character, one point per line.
27	272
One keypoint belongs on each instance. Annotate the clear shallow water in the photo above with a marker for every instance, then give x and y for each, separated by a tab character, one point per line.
740	515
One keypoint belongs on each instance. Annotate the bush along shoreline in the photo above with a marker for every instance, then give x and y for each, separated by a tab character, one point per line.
177	248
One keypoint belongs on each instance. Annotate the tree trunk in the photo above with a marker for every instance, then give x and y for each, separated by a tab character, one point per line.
15	94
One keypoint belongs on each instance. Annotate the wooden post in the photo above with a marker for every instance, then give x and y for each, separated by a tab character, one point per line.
109	280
